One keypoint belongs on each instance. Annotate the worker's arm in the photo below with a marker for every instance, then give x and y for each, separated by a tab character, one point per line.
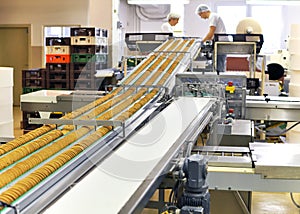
210	34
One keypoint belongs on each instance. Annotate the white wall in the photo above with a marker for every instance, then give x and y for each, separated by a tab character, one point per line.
37	14
127	18
292	16
99	13
42	12
196	27
193	25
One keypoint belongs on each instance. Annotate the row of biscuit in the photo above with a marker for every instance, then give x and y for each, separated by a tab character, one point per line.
42	173
38	175
128	80
101	100
105	103
32	161
4	148
103	117
28	148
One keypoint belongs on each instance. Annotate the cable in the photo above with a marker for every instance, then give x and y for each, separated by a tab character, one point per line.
171	195
169	208
293	200
283	132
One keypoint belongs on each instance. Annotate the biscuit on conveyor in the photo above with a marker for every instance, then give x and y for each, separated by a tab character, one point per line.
131	100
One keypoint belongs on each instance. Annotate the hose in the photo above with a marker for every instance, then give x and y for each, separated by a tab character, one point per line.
283	132
293	200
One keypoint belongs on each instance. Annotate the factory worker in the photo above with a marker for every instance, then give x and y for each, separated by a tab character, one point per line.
216	26
173	19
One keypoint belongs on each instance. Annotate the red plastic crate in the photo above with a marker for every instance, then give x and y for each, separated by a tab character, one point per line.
58	58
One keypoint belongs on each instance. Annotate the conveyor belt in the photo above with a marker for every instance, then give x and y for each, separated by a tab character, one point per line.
22	175
272	108
108	188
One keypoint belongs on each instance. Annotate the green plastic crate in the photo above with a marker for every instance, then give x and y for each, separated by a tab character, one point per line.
85	58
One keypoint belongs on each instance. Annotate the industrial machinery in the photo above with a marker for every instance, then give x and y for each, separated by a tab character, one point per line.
110	154
46	162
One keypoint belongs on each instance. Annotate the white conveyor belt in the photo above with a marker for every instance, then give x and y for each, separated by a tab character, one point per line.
108	187
44	96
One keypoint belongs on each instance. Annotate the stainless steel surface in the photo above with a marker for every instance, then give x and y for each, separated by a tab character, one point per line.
49	192
248	48
273	102
245	179
211	84
235	47
147	188
277	160
225	156
58	102
76	122
242	127
274	108
63	179
147	46
146	153
242	132
229	149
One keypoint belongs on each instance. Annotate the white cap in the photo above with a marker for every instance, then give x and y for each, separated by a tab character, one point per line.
202	8
173	16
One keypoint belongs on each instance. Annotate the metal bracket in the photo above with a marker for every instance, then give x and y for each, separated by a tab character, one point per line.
76	123
183	52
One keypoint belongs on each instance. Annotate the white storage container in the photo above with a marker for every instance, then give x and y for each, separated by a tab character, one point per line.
6	96
295	61
295	74
6	77
294	45
295	31
294	89
6	102
6	112
7	129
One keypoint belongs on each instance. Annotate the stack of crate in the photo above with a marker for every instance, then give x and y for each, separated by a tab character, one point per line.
89	50
33	80
58	62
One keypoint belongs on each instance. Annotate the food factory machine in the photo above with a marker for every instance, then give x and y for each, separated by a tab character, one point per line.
111	154
38	167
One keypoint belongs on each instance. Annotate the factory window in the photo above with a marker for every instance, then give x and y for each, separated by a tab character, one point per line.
231	16
272	30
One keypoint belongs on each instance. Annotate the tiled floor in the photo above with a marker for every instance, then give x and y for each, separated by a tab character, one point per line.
275	203
262	203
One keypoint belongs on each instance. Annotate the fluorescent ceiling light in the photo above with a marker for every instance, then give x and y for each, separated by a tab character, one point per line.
274	2
158	1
